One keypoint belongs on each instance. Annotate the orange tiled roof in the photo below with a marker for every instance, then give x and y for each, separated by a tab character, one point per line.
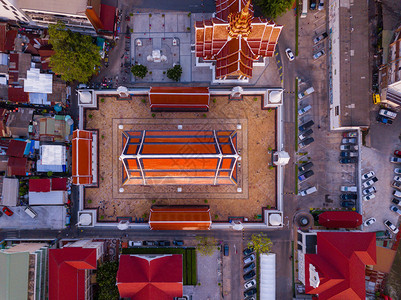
82	157
179	97
173	218
158	157
235	56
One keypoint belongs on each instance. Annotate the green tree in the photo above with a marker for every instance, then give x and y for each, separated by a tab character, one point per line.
174	73
274	8
106	276
206	245
260	243
139	71
76	57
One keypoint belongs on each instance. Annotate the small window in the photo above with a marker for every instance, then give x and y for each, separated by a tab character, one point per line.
337	110
6	7
13	8
3	2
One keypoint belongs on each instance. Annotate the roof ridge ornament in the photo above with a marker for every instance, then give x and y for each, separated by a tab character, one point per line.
240	22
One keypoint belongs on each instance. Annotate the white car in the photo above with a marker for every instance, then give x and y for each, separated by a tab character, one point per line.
397	178
395	209
391	226
370	190
250	284
304	110
348	141
397	171
397	194
349	147
351	189
369	221
289	54
321	5
370	182
368	197
387	113
395	160
308	191
368	175
318	54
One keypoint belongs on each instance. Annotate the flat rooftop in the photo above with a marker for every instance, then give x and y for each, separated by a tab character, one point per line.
254	190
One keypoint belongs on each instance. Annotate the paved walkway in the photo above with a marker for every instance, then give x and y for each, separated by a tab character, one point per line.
207	277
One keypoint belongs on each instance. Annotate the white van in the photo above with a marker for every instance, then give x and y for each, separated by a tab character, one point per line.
304	8
30	212
308	191
305	93
352	189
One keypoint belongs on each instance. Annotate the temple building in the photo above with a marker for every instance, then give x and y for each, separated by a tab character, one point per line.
234	39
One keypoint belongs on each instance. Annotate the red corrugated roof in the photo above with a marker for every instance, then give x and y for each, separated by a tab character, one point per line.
59	184
3	30
16	166
17	94
340	219
10	39
40	185
16	148
67	272
340	261
108	17
144	278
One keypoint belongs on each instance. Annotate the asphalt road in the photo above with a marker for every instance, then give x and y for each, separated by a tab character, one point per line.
195	6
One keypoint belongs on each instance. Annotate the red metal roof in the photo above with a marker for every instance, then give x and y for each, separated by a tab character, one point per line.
59	184
179	97
108	17
82	157
40	185
16	94
3	30
173	218
16	148
161	157
67	268
340	262
10	39
141	277
340	219
16	166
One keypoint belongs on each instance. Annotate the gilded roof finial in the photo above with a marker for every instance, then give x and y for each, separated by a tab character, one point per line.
240	23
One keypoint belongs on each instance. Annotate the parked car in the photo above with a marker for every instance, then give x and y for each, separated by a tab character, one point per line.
305	93
304	110
306	125
226	250
320	37
306	142
289	54
305	175
370	182
348	141
397	152
369	221
349	147
348	154
7	211
318	54
312	4
247	251
250	292
134	243
150	243
397	194
397	178
163	243
248	259
305	167
376	98
395	160
368	175
396	201
395	209
305	134
178	243
249	275
308	191
391	226
397	171
370	190
349	160
250	284
321	4
249	268
368	197
350	134
384	120
1	213
396	185
387	113
348	196
351	189
348	203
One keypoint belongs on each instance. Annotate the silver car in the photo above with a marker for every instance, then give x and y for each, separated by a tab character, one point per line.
395	209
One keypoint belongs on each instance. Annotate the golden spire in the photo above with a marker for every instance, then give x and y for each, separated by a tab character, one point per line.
240	23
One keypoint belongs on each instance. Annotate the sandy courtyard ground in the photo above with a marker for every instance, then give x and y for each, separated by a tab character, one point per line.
256	180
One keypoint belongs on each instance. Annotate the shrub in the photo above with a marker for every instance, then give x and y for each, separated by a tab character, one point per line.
102	100
271	167
101	217
89	201
188	28
150	15
153	201
153	115
131	14
214	100
204	115
102	136
139	71
49	174
143	100
90	116
255	99
270	149
174	73
145	215
131	30
216	216
205	201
